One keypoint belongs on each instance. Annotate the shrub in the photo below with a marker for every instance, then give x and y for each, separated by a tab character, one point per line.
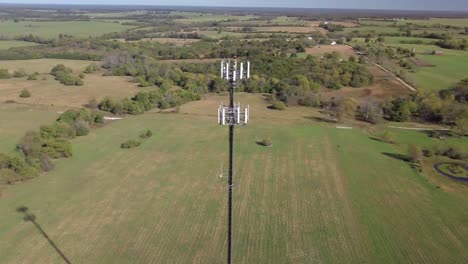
32	77
130	144
57	130
146	134
99	118
91	68
93	104
25	94
387	137
278	105
19	73
4	74
266	143
81	127
415	153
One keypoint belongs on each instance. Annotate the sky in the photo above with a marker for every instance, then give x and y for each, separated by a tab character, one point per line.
455	5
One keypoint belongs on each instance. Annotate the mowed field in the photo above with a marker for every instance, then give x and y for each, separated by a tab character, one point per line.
53	29
314	197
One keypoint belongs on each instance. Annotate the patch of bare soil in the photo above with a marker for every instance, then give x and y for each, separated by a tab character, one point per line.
322	49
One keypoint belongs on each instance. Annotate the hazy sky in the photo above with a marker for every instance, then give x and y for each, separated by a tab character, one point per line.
456	5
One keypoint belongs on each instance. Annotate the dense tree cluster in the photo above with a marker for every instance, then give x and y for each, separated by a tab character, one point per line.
145	101
65	75
447	107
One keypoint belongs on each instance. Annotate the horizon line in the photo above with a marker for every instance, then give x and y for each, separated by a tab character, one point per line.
224	6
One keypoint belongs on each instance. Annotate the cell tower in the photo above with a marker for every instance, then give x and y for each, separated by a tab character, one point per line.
232	115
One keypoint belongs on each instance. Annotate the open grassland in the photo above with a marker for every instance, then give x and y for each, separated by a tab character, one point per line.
175	41
6	44
17	119
52	93
457	22
194	18
449	68
43	66
53	29
314	197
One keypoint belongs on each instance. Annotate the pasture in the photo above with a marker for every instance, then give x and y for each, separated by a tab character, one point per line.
43	66
314	197
50	92
7	44
53	29
16	120
449	68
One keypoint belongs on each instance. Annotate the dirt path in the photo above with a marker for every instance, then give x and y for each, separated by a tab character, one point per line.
397	78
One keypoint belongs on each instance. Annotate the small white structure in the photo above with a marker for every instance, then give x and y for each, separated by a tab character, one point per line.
310	38
333	43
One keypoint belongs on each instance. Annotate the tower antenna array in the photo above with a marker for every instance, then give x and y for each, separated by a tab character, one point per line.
232	115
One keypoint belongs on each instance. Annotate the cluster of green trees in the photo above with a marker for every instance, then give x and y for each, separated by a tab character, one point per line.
331	27
65	75
448	107
39	148
460	44
145	101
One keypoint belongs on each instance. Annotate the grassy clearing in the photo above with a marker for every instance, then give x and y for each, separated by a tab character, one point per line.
314	197
43	66
53	29
201	17
51	92
449	68
17	119
6	44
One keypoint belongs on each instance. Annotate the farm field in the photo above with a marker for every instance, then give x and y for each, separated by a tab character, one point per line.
300	201
6	44
53	29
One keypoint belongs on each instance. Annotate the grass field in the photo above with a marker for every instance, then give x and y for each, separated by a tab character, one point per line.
17	119
53	29
314	197
458	22
449	69
43	66
6	44
52	93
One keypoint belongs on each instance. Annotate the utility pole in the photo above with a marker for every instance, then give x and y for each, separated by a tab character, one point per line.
232	115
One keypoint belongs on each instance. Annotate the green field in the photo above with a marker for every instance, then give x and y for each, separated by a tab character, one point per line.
449	69
458	22
17	120
314	197
53	29
6	44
